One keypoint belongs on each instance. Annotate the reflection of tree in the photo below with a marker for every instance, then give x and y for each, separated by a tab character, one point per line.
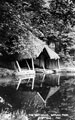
68	101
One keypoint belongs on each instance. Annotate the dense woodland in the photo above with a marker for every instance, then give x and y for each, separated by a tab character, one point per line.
49	20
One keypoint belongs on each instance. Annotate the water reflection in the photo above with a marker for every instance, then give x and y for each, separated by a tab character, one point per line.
26	77
50	94
47	80
31	91
39	80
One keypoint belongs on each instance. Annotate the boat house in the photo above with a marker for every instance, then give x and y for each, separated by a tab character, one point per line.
47	59
34	53
38	53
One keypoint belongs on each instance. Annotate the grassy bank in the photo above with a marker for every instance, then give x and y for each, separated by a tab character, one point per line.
4	115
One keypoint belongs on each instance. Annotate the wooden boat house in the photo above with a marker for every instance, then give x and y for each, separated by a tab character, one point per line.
43	56
33	53
48	59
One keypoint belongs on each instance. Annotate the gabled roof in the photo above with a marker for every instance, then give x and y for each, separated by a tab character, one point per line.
51	53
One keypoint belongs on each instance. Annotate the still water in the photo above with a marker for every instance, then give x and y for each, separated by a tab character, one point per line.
50	95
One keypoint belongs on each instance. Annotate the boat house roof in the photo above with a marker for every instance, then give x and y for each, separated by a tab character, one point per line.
34	47
51	53
29	47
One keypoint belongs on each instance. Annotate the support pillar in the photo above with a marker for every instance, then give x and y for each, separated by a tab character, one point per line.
58	64
19	68
32	64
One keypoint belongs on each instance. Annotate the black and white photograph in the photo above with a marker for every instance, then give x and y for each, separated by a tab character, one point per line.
37	60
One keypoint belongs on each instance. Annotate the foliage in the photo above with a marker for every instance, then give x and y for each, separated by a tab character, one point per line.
12	28
18	115
54	23
57	22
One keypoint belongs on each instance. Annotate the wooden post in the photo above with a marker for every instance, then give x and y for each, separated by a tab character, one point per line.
58	79
19	84
19	68
28	65
43	67
33	82
58	64
32	64
43	79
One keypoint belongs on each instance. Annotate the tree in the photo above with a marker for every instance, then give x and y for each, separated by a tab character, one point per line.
52	23
15	23
12	28
56	23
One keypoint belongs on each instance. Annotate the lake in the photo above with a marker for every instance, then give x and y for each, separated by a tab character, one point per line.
50	96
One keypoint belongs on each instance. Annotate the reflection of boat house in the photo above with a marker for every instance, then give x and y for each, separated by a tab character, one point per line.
42	80
29	100
46	95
